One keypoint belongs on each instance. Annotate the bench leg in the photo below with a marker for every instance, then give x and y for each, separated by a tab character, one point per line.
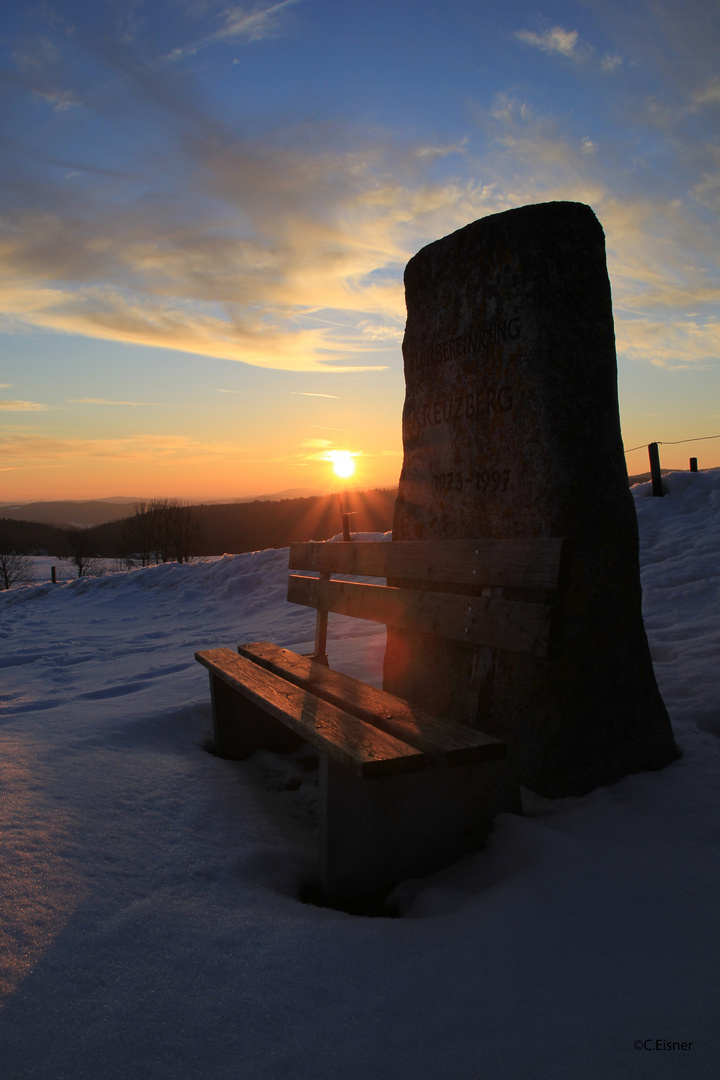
240	728
375	833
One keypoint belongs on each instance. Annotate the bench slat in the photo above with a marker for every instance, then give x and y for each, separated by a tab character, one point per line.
366	750
532	564
479	620
456	743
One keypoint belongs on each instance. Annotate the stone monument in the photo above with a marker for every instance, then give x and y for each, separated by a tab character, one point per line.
511	429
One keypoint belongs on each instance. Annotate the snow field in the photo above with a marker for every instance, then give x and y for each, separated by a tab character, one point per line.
152	926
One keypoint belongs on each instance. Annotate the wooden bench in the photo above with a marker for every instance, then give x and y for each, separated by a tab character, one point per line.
402	792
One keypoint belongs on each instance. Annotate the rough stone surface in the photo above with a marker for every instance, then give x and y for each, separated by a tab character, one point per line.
511	429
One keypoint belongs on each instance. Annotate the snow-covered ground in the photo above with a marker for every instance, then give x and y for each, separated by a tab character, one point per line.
151	926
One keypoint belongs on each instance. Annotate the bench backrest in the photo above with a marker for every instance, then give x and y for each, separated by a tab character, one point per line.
481	617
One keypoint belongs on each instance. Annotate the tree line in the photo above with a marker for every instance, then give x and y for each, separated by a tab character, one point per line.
169	530
160	530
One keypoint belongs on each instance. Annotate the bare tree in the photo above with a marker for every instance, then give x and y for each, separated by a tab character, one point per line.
186	530
138	534
82	553
15	569
163	529
121	563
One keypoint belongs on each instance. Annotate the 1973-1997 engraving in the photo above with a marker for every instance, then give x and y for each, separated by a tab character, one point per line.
489	481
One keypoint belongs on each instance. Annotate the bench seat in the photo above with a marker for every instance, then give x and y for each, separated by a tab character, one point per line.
349	740
436	737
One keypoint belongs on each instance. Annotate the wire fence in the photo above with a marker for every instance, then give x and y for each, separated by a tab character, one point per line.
676	442
654	456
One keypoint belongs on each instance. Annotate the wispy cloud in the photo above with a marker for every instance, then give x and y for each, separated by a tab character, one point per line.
333	455
709	94
107	401
556	40
379	332
22	406
675	344
238	24
307	393
561	42
41	65
611	62
61	100
253	25
149	448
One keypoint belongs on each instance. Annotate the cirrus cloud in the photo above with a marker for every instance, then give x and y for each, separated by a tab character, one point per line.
237	24
28	445
22	406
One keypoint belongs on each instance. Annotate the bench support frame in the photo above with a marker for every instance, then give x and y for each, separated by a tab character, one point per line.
240	727
375	833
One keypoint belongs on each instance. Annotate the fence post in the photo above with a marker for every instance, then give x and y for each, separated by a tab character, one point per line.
693	464
53	578
656	475
345	514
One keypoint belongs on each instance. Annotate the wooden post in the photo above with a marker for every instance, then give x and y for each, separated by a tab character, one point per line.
693	464
653	453
321	621
345	514
53	578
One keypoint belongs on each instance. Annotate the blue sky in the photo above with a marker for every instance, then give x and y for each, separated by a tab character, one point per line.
206	211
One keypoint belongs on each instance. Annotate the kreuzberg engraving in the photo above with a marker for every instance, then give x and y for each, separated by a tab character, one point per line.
461	407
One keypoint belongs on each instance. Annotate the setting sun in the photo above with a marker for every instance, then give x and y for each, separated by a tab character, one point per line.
343	463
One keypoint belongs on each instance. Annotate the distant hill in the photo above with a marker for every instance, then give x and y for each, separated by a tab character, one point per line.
70	512
288	493
90	512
